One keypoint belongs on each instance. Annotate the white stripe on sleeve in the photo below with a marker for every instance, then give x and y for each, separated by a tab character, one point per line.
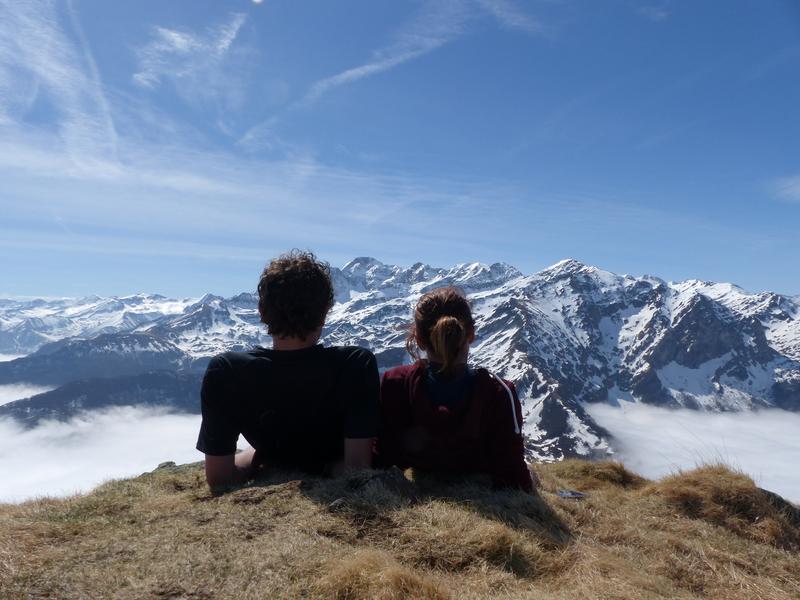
511	399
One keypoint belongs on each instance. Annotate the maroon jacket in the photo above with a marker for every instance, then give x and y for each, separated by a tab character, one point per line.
483	434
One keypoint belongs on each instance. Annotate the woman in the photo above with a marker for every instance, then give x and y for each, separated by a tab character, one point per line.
439	414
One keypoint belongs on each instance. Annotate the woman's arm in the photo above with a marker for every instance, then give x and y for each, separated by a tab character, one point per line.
506	447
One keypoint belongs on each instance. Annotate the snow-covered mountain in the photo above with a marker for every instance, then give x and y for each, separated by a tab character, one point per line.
28	324
569	335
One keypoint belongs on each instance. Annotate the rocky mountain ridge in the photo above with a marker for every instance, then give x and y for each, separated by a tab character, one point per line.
568	335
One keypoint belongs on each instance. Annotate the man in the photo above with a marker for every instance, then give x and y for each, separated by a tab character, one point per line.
299	405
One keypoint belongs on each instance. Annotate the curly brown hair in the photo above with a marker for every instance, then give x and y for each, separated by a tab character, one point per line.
295	294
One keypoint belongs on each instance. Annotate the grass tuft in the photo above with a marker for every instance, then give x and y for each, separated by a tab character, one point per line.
729	499
593	475
375	575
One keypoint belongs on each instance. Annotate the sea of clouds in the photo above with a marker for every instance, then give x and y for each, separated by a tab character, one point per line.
61	458
657	441
16	391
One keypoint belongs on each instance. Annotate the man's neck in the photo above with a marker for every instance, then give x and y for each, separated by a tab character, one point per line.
294	343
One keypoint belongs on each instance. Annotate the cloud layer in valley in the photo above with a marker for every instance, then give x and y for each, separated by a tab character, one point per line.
17	391
657	441
57	459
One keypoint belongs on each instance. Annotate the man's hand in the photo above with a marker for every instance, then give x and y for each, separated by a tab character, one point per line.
225	471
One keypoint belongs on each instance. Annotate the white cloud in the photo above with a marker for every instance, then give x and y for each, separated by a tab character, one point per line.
787	188
8	357
438	23
58	459
196	64
654	13
124	442
509	15
17	391
37	59
176	201
657	441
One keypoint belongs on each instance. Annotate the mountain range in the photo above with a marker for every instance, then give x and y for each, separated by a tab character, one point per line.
569	335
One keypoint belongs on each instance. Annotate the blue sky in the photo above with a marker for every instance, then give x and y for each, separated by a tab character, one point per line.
174	147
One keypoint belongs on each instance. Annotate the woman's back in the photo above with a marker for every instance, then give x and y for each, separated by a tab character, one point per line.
470	423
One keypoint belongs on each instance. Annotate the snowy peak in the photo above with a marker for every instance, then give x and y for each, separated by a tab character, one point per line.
359	266
477	276
567	265
366	275
579	274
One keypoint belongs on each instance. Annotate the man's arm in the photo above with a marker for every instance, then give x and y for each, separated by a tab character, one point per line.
225	471
362	410
218	430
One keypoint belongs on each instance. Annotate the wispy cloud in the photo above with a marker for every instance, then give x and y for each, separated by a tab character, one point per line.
787	188
37	59
654	13
438	23
511	16
194	63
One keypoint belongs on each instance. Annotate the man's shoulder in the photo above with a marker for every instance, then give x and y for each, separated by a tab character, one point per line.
232	360
355	355
346	357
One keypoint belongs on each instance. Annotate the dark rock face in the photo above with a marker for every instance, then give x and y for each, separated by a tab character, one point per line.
787	394
705	330
697	335
179	392
646	384
107	355
560	440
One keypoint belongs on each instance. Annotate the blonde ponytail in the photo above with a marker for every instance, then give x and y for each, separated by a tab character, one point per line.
448	338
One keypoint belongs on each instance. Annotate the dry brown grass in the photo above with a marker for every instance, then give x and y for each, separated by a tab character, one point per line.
377	575
594	475
701	534
729	499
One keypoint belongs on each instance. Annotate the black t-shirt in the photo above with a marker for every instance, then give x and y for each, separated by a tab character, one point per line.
295	407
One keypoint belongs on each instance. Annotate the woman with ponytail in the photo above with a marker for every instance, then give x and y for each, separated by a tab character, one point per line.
441	415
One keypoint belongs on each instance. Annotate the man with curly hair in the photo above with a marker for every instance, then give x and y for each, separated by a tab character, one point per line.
300	405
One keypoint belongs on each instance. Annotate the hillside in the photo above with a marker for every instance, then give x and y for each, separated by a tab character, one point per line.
708	533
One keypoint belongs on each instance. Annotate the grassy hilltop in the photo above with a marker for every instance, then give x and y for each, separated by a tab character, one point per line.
707	533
